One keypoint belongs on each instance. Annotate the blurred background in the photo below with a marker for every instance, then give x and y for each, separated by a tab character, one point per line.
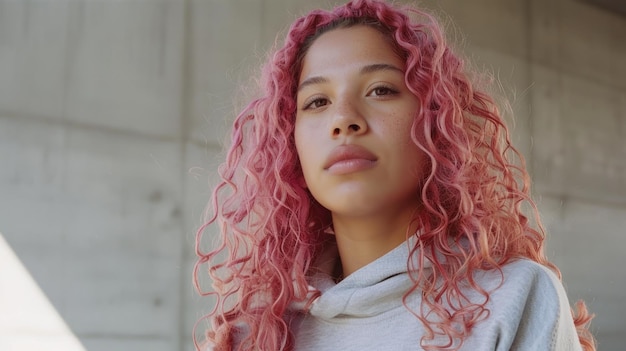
113	116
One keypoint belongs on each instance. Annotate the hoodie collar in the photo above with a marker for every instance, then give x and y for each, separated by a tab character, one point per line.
373	289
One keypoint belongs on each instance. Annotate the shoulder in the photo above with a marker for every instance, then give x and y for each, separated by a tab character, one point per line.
521	281
522	284
533	278
530	307
530	289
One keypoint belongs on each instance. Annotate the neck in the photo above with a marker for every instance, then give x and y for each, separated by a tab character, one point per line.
362	240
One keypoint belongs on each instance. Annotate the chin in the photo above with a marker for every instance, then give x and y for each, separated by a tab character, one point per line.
355	208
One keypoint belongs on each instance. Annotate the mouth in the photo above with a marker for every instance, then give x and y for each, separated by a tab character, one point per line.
350	158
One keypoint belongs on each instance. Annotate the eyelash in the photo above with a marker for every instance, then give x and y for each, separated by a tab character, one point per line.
388	91
308	105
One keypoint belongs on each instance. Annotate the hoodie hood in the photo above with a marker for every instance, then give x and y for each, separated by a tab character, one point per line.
375	288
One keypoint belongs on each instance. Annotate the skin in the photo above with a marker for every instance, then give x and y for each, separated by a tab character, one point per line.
352	93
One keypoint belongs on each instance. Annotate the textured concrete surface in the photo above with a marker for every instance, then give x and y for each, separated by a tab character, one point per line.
113	115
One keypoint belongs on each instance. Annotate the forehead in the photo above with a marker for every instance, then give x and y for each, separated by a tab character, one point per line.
346	48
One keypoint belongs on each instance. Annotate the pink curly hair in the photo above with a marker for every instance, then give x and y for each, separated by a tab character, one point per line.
272	229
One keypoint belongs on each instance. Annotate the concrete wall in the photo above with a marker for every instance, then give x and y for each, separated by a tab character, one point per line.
113	113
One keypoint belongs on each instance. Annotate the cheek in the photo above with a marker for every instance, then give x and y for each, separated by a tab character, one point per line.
398	129
308	139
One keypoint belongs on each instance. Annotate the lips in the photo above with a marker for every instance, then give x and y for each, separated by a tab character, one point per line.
348	159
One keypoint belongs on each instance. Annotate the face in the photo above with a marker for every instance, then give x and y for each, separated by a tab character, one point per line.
353	122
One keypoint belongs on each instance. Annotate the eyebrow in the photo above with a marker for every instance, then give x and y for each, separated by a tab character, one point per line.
364	70
380	67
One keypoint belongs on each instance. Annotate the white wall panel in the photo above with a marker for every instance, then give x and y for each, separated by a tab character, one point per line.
473	23
96	218
33	44
125	61
578	137
580	39
586	241
225	36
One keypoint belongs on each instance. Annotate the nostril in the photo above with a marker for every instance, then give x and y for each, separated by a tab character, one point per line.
352	128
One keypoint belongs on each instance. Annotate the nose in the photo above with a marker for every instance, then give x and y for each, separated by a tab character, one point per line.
348	119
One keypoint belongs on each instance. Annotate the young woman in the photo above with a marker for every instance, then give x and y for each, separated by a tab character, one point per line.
370	201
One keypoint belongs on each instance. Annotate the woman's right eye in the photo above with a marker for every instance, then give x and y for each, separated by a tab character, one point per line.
315	103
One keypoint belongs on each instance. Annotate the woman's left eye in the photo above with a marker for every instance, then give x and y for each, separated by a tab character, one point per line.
382	91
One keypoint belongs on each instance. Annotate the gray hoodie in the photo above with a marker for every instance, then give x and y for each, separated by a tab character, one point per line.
529	311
